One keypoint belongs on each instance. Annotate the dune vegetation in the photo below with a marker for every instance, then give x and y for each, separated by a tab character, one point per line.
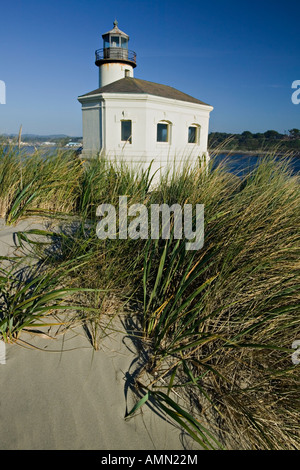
214	328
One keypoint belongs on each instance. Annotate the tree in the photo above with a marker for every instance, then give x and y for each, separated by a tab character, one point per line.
272	135
294	133
247	134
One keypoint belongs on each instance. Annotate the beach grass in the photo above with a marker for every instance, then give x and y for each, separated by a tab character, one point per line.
217	324
35	300
225	317
38	184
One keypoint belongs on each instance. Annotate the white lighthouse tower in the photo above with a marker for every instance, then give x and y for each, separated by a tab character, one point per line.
115	61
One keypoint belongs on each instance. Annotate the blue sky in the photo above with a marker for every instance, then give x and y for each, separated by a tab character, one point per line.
239	56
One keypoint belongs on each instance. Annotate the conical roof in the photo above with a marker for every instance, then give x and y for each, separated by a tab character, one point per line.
116	30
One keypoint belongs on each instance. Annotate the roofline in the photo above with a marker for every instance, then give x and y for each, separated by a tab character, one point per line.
115	31
142	96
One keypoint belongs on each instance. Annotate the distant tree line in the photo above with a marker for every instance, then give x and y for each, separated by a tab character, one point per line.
248	141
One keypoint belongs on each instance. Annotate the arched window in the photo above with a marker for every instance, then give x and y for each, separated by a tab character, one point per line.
194	134
163	133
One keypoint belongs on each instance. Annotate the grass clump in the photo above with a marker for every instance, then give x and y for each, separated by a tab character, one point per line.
216	325
37	300
38	184
223	319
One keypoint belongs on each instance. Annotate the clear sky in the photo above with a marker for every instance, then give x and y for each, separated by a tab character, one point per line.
239	56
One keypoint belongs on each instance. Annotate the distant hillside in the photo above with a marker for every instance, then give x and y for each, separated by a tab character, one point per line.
45	137
59	139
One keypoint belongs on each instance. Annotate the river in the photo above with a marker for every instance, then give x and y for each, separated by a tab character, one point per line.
239	163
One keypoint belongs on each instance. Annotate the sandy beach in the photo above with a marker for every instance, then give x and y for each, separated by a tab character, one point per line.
60	394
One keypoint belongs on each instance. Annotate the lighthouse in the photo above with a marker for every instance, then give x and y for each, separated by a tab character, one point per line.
115	60
138	121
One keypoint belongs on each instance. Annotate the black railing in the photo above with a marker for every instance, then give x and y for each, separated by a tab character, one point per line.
115	53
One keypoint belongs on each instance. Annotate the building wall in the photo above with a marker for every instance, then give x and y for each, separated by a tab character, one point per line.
111	72
145	112
92	126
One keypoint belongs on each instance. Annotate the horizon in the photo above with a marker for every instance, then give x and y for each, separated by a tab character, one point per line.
31	134
242	59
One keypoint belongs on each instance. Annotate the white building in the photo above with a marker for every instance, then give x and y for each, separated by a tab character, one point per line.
137	120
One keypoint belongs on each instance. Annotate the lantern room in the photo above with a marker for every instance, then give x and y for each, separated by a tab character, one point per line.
115	48
115	38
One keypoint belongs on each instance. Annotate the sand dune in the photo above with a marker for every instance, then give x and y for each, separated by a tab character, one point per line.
61	394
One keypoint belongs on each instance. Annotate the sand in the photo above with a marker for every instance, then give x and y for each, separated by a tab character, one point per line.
62	395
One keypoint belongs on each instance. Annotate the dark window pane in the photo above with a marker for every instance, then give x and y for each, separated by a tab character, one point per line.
126	131
162	132
192	135
106	41
124	43
115	41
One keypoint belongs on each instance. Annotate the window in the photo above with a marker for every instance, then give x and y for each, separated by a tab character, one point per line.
115	41
127	73
162	132
193	135
124	43
106	41
126	131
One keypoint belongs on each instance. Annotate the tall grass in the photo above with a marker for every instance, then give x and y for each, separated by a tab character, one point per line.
74	239
225	318
32	300
38	184
217	324
63	183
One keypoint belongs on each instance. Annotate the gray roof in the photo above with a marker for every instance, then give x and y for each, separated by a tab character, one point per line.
138	86
116	30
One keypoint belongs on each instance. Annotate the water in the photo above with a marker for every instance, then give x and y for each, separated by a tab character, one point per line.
45	150
241	164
